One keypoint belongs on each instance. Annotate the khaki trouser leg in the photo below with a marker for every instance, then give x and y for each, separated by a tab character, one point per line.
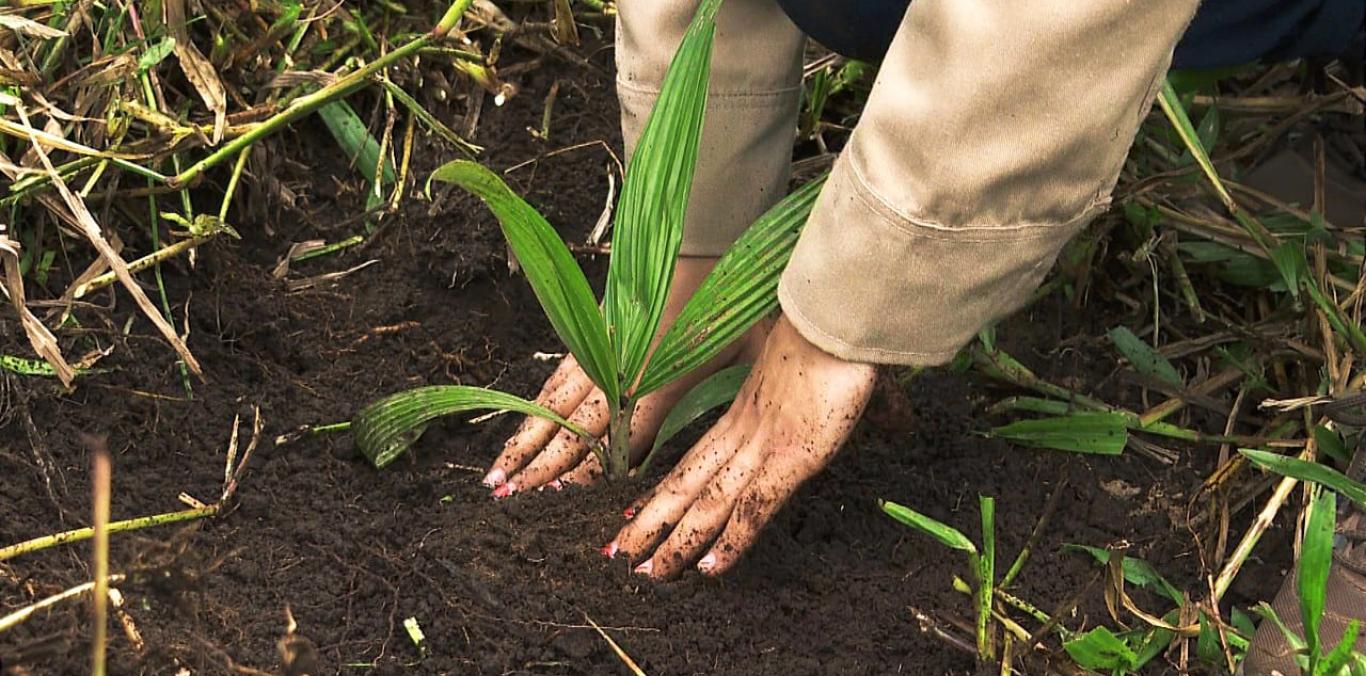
746	151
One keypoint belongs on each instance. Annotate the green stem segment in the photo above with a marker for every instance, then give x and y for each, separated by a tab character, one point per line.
81	534
619	440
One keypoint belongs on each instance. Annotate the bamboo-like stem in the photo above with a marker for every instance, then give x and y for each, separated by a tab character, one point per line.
17	617
309	103
82	534
148	261
100	607
1254	533
232	183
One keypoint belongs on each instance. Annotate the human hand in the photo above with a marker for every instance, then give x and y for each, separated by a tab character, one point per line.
542	454
791	416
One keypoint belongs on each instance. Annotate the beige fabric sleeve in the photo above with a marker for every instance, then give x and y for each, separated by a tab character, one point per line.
751	118
995	131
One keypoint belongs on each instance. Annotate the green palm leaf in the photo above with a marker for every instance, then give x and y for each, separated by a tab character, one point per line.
741	290
648	230
557	280
386	428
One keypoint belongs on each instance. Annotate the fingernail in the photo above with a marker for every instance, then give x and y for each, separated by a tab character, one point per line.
609	550
707	563
504	490
629	512
645	568
495	477
556	484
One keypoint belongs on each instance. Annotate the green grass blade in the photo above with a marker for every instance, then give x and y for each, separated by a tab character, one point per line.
741	290
716	389
1136	571
1143	357
387	428
1316	555
360	146
944	533
1099	433
1100	649
1336	660
648	229
1305	470
986	577
556	278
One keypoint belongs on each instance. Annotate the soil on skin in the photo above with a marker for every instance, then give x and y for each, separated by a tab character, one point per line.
505	587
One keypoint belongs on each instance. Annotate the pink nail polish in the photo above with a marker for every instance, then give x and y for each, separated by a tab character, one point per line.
495	477
504	490
707	563
645	568
556	484
629	513
609	550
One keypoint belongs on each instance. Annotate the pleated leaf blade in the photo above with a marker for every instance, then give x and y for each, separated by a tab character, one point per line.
741	290
648	226
388	427
559	283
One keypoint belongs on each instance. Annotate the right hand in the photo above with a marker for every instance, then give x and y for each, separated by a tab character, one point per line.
541	453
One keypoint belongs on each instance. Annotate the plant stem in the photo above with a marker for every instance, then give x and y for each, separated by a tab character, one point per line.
100	605
308	103
11	620
619	440
81	534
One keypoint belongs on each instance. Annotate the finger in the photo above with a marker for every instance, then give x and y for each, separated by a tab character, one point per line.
587	471
708	515
762	499
565	449
680	488
562	393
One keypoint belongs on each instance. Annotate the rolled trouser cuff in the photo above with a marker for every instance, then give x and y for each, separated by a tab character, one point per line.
869	284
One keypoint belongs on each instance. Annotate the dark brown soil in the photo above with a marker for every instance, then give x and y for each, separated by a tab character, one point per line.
507	587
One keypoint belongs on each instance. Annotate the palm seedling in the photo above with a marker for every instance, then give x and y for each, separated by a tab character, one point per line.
614	341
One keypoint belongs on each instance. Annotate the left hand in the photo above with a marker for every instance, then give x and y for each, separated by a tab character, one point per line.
791	416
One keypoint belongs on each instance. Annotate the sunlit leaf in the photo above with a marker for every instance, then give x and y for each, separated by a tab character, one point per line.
944	533
1101	649
550	268
648	226
386	428
1305	470
1100	433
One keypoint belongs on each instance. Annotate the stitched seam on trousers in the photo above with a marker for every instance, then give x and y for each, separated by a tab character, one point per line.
917	226
849	347
633	88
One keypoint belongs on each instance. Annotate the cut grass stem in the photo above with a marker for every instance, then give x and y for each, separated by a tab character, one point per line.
82	534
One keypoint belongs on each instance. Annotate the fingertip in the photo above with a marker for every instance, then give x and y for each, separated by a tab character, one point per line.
707	563
495	477
504	490
645	567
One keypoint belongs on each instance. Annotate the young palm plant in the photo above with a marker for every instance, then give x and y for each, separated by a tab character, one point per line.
612	341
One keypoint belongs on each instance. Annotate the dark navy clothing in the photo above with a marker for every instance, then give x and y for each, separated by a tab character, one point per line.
1223	33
